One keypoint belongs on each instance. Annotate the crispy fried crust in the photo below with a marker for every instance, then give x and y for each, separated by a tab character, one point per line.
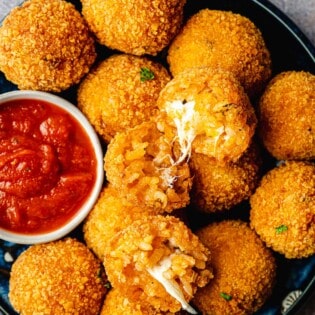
223	118
61	277
138	163
219	187
226	40
117	304
283	209
244	270
134	26
45	45
287	116
145	244
114	98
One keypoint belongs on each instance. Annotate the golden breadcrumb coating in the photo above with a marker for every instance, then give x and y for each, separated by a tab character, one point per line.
117	95
61	277
140	164
220	187
283	209
45	45
225	40
111	214
117	304
209	111
154	258
287	116
244	270
137	27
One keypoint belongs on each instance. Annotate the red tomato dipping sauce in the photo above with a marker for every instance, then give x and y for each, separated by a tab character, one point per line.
47	166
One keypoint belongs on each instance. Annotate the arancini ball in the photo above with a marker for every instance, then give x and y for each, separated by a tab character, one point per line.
209	112
226	40
218	187
121	92
45	45
136	27
158	260
287	116
244	270
61	277
283	209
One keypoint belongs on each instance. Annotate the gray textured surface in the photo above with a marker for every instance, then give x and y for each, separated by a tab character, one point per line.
302	12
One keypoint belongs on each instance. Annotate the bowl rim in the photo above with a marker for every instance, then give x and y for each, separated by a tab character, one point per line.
73	222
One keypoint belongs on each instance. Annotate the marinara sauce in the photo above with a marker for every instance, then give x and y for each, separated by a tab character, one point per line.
47	166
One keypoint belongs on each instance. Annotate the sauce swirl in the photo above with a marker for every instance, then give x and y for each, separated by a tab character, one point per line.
47	166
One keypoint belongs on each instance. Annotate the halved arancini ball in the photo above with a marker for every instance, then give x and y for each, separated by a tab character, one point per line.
158	260
208	112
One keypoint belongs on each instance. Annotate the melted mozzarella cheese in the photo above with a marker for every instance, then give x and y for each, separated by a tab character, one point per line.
171	286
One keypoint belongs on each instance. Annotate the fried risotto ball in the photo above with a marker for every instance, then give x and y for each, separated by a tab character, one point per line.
61	277
137	27
157	261
287	116
111	214
117	304
121	92
45	45
140	163
209	112
219	187
244	270
225	40
283	209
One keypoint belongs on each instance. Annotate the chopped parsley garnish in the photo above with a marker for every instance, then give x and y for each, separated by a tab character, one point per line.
226	296
281	228
146	74
107	285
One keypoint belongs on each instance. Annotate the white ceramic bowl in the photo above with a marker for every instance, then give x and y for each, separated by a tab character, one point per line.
81	214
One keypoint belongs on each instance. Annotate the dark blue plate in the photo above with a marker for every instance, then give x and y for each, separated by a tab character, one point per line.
290	50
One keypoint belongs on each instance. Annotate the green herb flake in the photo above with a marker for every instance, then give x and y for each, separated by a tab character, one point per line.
146	74
107	285
281	228
226	296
